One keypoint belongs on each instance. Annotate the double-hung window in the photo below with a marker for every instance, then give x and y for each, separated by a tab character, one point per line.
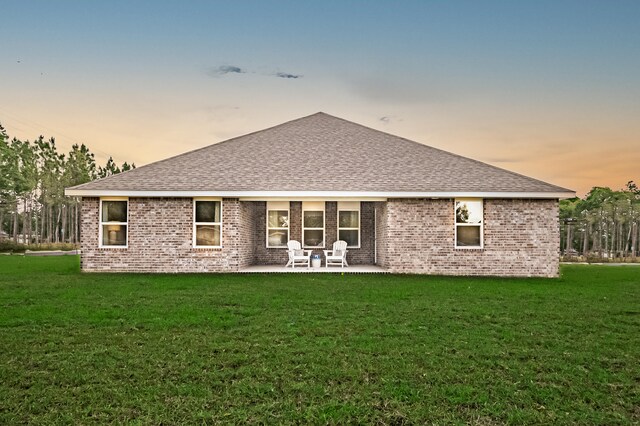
207	223
277	223
313	224
469	222
113	222
349	223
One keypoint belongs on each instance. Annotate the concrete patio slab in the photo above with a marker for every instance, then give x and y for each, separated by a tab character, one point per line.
279	269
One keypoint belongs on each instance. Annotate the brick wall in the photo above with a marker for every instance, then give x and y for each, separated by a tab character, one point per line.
246	235
160	238
272	256
160	235
365	254
276	256
381	233
521	238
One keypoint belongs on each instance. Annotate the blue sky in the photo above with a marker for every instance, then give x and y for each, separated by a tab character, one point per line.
549	89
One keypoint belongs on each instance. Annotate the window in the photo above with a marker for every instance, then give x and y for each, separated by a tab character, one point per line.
349	223
207	223
313	224
277	223
113	222
469	223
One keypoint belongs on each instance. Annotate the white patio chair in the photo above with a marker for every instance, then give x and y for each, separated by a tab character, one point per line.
297	256
337	256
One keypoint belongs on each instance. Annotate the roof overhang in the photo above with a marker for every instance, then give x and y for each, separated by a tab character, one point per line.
316	195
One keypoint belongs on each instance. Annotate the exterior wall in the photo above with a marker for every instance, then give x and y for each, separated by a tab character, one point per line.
331	229
245	237
160	235
521	238
381	234
365	254
278	256
273	256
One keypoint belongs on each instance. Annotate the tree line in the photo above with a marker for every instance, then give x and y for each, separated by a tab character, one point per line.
33	175
603	224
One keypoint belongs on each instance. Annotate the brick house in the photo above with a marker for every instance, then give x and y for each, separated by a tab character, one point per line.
404	206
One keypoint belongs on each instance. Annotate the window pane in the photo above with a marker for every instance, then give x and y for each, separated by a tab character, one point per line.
114	211
114	235
207	211
207	235
468	211
350	236
313	219
278	238
313	238
278	219
468	236
348	219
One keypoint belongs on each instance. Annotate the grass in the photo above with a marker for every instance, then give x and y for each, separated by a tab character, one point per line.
174	349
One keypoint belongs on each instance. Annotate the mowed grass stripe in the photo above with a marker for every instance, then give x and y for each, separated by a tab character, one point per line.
301	348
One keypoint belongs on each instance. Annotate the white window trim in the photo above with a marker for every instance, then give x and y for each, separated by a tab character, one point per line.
101	223
207	223
349	229
324	225
277	228
455	237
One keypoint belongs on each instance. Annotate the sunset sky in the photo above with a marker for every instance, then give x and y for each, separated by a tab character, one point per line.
547	89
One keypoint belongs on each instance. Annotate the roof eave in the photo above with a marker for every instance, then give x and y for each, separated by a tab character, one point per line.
285	195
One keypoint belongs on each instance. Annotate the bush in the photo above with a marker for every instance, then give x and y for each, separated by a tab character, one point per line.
52	246
597	259
566	258
9	246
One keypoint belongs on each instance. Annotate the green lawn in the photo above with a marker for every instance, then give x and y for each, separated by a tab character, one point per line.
174	349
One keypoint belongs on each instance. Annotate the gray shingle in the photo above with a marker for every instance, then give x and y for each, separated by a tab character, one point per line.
320	153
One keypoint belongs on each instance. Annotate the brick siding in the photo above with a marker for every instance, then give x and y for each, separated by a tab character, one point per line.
521	238
160	238
381	233
272	256
276	256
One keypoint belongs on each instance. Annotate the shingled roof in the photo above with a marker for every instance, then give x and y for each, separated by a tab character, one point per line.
319	154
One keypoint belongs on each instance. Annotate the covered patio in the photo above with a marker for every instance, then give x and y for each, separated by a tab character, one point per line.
317	225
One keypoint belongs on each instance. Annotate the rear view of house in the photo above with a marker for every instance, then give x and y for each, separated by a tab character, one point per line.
404	206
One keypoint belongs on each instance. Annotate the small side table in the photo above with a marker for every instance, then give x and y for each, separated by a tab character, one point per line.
316	263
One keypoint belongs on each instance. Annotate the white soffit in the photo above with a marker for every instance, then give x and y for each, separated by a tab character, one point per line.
348	205
313	205
277	205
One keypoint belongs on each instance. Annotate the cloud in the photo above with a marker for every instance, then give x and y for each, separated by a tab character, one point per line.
225	69
387	119
287	75
234	69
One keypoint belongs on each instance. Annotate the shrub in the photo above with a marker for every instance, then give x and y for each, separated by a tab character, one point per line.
9	246
52	246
